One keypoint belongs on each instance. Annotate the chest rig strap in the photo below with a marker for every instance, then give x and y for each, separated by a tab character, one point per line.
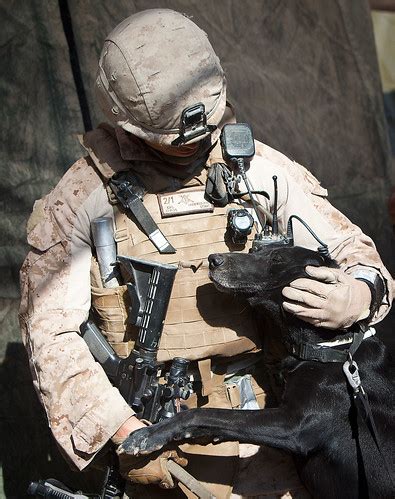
129	192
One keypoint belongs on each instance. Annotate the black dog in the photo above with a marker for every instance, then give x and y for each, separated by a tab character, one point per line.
316	420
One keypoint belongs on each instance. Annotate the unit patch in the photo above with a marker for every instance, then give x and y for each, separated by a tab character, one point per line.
184	202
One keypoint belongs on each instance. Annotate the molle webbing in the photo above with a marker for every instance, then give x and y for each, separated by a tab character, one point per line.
110	308
201	322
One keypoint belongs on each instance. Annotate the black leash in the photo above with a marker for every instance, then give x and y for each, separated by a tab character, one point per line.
361	402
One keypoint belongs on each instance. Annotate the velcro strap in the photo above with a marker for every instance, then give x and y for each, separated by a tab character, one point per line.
107	301
204	367
114	327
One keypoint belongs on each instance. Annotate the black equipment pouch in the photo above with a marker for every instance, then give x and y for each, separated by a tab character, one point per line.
218	185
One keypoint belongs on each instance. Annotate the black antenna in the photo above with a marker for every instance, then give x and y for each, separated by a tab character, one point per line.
275	218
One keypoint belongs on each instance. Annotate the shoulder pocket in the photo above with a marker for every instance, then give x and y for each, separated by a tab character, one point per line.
42	231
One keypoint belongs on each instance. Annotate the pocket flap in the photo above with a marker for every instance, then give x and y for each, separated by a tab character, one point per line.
42	231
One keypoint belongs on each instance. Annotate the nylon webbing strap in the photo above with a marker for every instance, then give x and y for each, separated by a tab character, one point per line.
204	367
319	353
130	197
363	408
310	351
189	481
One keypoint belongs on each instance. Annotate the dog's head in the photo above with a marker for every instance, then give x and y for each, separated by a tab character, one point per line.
261	276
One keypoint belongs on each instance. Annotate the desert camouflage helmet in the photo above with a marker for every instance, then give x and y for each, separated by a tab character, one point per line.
153	66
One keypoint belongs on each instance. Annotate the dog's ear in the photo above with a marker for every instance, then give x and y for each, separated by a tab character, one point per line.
318	260
329	262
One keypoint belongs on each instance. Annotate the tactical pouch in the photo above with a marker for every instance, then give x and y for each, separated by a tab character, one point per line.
110	307
222	457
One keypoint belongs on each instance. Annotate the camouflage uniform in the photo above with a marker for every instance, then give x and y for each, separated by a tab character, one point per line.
84	410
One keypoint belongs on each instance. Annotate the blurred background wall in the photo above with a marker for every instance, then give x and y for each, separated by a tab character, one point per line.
304	74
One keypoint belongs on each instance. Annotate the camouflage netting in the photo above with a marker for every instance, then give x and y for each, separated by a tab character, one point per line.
304	74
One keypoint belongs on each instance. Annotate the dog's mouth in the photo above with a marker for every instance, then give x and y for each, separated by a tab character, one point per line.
224	286
227	274
246	289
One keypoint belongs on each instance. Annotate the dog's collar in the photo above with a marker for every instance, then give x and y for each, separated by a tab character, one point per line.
347	339
325	351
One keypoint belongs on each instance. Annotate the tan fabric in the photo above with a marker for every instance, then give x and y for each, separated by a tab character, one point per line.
147	77
82	407
201	322
111	306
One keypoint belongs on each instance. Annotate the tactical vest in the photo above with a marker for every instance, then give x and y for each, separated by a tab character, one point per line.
201	322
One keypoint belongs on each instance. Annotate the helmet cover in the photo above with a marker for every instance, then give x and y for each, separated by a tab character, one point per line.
153	65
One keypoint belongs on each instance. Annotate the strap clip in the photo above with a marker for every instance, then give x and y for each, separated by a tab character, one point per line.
350	369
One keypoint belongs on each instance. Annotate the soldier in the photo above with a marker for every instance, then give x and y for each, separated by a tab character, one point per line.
157	68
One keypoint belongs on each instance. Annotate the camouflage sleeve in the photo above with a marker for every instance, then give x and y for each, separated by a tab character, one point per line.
84	410
300	193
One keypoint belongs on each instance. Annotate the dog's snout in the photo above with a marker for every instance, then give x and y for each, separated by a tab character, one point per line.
215	261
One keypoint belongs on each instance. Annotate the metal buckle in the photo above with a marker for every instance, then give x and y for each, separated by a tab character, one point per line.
350	369
193	124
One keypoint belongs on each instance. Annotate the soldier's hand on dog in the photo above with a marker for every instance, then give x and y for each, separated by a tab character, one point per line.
331	298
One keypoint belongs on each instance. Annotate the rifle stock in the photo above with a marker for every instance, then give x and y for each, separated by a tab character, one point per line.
137	377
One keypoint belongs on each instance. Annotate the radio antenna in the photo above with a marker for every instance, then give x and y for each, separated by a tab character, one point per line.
275	217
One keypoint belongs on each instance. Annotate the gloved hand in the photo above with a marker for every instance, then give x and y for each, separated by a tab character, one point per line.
150	469
331	299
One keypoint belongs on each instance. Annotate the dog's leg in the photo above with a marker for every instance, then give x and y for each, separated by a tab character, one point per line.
274	427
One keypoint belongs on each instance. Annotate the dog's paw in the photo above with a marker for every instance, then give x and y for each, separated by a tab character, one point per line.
143	441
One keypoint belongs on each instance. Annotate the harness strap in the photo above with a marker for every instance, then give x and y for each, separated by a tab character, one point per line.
209	379
130	196
311	351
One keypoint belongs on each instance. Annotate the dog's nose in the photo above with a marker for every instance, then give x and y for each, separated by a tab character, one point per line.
215	261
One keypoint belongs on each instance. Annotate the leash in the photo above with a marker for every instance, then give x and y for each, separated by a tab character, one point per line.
189	481
361	402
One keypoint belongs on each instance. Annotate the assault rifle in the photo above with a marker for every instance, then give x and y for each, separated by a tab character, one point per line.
138	376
